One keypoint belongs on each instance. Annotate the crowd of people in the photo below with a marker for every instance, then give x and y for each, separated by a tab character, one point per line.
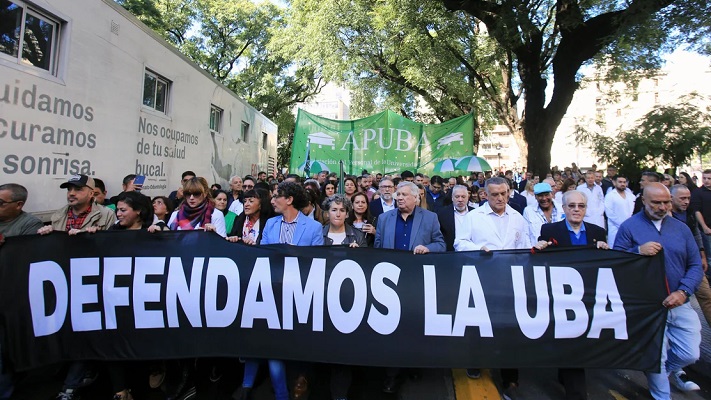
411	212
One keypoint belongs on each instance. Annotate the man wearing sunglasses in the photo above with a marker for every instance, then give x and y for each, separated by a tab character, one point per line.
572	231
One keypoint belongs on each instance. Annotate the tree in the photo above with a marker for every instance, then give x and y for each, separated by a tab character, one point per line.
395	54
489	56
230	40
668	135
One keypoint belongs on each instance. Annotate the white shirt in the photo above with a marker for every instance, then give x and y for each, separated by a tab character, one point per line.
484	228
617	210
460	220
236	207
530	198
535	219
596	205
387	207
218	220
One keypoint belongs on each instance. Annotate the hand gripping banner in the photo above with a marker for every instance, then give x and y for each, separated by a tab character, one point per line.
135	295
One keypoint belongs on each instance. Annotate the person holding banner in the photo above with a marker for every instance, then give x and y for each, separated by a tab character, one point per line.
248	225
647	233
495	226
80	214
294	228
411	228
572	231
197	211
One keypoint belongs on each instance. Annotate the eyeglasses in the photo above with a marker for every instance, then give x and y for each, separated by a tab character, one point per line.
194	194
276	196
386	186
573	206
248	186
3	202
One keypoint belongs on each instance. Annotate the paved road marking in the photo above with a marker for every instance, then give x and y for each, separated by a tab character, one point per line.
617	396
474	389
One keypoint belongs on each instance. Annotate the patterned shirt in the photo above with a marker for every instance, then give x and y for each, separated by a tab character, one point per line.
76	221
286	234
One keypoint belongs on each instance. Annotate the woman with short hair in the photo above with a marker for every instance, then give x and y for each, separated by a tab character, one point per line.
337	230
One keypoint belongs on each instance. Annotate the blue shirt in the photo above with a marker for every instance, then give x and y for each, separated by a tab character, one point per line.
577	239
681	254
403	231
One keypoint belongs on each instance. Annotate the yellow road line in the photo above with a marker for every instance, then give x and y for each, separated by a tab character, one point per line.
474	389
617	396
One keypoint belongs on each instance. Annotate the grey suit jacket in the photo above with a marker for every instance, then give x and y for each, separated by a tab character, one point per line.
425	230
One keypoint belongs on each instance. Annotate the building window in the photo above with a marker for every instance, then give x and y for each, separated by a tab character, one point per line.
155	91
215	119
265	140
28	36
244	133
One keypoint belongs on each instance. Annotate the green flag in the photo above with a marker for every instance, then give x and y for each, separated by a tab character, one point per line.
384	142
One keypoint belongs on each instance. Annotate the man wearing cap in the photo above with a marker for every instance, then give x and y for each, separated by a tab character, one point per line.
545	212
81	214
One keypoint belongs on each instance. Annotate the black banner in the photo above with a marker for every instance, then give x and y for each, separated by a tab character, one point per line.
135	295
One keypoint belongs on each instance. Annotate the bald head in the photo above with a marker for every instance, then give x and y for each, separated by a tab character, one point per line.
657	201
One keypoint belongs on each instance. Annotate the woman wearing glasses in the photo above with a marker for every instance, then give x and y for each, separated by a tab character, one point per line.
197	211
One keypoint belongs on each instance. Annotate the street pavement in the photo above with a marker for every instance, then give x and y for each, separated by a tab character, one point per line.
433	384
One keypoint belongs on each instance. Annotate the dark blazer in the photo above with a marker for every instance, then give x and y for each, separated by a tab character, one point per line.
522	185
352	235
239	224
559	232
432	204
446	225
518	202
376	207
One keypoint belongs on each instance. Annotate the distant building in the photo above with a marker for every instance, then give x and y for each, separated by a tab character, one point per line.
333	102
610	109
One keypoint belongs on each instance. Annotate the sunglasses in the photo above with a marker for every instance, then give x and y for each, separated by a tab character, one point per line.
194	194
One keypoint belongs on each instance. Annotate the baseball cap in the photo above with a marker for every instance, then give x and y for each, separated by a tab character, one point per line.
543	187
79	181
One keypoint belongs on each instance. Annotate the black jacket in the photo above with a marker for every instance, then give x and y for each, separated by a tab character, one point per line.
559	232
447	225
352	235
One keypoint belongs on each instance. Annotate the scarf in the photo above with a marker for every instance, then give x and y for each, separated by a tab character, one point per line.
188	217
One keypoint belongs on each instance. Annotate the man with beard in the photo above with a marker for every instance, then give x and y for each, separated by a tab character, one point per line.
385	202
647	233
619	204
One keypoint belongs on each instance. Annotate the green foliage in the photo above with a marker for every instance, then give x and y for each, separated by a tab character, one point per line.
231	39
390	52
667	136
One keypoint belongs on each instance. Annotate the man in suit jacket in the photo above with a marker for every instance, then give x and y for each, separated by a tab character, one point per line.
386	202
454	216
422	225
408	227
573	231
292	226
